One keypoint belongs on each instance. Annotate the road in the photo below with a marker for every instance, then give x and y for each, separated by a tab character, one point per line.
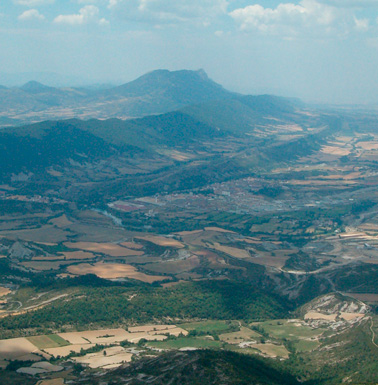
372	333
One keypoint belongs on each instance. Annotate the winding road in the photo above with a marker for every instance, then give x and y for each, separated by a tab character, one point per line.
372	333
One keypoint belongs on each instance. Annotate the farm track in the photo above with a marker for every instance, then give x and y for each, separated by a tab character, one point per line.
19	304
19	310
321	270
46	302
372	333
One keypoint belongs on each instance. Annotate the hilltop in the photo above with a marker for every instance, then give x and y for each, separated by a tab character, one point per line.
157	92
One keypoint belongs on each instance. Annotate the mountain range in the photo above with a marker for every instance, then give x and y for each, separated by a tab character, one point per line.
153	93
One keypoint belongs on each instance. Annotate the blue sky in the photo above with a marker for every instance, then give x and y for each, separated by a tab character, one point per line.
319	50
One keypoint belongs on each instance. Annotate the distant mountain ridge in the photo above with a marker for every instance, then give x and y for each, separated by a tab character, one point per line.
156	92
36	87
45	144
173	82
48	143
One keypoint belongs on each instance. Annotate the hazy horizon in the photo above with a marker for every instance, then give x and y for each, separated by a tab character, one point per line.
316	50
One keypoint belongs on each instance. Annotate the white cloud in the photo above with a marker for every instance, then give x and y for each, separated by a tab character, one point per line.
351	3
287	18
169	10
361	25
87	14
33	3
31	14
103	21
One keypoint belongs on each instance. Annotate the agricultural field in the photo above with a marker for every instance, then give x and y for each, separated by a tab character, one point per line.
185	343
208	326
40	347
113	271
267	338
110	249
162	241
242	336
107	358
4	291
49	341
20	349
291	329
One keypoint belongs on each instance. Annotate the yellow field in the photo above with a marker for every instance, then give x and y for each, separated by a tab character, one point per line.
111	249
108	357
244	334
23	349
369	226
176	332
131	245
105	336
66	255
55	381
4	291
266	259
345	139
351	316
61	221
162	241
41	258
66	350
174	267
315	315
271	350
48	233
47	243
17	348
149	328
43	266
370	261
189	232
233	251
77	255
112	271
369	146
219	230
352	175
251	240
334	150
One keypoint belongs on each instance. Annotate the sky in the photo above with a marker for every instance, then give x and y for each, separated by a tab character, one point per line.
317	50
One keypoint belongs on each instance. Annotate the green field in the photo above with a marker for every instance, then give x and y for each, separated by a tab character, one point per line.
208	326
244	334
305	345
48	341
289	330
189	342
